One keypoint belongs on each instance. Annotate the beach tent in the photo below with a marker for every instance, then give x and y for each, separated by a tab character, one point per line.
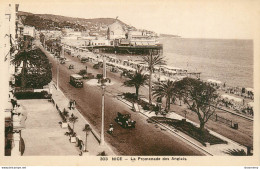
171	68
250	104
250	90
225	96
214	81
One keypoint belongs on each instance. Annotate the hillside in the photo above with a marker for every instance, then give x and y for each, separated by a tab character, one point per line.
57	22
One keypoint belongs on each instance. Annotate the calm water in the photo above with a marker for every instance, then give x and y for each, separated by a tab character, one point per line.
229	61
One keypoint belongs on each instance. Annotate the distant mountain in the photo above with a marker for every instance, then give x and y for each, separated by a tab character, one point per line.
169	36
57	22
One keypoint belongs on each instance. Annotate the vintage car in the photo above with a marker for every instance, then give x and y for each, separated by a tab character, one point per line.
84	60
88	76
62	61
124	120
98	65
71	66
76	80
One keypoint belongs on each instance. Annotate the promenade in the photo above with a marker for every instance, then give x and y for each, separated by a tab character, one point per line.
94	137
43	135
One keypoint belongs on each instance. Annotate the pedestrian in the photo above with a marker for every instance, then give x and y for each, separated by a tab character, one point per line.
14	103
110	125
111	128
70	104
73	104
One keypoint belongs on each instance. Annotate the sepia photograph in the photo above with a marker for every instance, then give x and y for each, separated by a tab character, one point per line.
129	82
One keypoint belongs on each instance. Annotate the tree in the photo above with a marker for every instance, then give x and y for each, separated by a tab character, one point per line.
152	61
87	129
73	119
137	80
42	38
24	56
65	115
236	152
37	71
200	97
165	89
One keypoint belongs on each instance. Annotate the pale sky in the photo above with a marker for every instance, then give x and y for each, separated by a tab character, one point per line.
229	19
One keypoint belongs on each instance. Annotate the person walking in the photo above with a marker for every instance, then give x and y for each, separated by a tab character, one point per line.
70	104
73	104
111	128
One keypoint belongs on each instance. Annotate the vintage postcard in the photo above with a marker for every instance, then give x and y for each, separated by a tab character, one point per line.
130	82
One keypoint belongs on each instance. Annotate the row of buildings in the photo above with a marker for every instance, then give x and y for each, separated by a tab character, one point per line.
117	35
13	32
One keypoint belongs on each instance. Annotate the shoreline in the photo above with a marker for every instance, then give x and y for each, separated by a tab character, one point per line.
237	99
139	57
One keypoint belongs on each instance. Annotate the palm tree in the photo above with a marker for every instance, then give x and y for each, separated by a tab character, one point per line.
24	56
42	38
137	80
87	129
236	152
73	119
152	61
165	89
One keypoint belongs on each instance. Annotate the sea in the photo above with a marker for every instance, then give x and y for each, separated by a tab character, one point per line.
229	61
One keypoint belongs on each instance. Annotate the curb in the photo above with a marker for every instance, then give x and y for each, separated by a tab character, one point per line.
93	131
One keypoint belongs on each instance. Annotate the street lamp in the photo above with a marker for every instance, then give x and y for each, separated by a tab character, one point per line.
58	67
103	86
58	72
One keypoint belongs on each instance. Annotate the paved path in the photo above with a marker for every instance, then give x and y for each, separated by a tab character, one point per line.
93	137
43	135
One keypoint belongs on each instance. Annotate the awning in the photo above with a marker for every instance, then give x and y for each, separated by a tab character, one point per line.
9	107
18	122
125	42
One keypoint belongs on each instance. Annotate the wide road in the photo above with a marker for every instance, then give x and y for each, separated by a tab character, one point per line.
145	139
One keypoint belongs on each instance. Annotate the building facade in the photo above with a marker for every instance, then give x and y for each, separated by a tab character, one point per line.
116	31
29	30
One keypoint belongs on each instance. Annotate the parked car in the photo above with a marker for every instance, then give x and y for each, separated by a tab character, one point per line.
84	60
88	76
76	80
98	65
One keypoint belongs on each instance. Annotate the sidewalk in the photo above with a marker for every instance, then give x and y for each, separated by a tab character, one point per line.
93	138
215	150
42	135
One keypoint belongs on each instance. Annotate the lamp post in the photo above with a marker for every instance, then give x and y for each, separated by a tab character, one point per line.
58	72
58	67
103	86
102	139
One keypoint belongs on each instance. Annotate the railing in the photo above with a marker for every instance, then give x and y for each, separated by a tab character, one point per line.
223	120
